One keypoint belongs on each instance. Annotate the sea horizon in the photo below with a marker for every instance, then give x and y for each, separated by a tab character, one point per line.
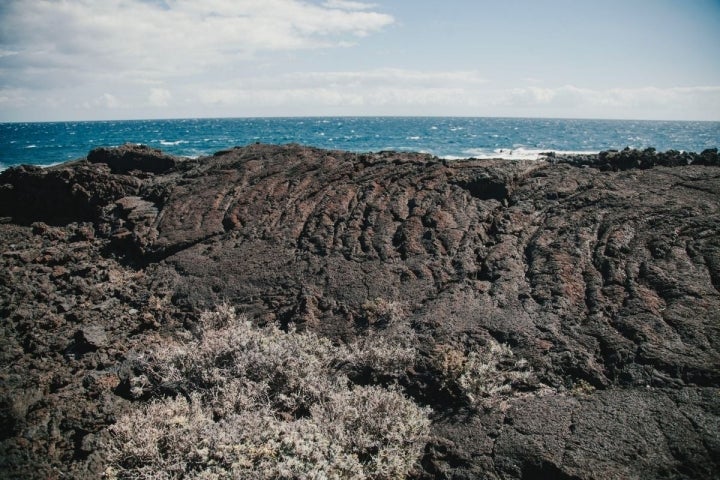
450	137
251	117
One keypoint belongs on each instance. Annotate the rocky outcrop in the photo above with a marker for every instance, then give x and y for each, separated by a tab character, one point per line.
605	279
628	159
129	157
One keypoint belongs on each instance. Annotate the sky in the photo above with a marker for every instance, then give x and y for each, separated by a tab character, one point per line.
133	59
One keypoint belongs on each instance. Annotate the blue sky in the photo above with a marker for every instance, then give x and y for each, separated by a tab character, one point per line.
123	59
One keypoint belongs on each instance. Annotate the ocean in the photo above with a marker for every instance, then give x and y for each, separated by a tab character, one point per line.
448	137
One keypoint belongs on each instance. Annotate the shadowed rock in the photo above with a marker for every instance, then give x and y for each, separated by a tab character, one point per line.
131	157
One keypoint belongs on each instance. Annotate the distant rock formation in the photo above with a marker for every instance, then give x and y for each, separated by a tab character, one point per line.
131	157
605	280
628	158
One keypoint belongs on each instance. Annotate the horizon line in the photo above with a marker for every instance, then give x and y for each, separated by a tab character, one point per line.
290	117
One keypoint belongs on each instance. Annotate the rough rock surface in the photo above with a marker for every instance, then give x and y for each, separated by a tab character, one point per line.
602	271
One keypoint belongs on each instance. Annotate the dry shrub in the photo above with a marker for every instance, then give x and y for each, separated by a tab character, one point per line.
388	345
383	312
266	404
484	375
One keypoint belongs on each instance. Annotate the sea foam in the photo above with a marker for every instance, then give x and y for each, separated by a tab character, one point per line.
518	153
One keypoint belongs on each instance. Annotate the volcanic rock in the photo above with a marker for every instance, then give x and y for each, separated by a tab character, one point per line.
132	157
601	271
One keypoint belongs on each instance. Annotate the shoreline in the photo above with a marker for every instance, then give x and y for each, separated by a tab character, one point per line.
604	159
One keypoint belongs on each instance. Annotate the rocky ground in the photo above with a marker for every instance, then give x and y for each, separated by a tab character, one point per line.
603	272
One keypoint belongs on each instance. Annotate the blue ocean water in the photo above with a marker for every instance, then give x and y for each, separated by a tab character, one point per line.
447	137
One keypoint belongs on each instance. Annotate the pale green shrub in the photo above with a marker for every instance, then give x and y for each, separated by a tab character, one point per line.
263	403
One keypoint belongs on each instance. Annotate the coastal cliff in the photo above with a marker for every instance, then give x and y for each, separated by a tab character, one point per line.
602	273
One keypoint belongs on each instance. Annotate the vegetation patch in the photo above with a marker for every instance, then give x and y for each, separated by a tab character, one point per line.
244	402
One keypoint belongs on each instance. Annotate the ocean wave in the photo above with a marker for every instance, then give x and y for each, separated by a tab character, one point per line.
176	142
519	153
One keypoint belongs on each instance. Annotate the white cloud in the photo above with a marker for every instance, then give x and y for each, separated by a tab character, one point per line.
311	99
387	87
411	92
390	76
159	97
13	97
106	101
701	102
81	56
174	38
349	5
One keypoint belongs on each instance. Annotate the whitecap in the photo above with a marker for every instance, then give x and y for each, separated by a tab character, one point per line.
176	142
413	138
46	165
31	146
4	166
520	153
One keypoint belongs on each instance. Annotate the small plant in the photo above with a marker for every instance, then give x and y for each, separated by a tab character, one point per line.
481	376
382	312
388	344
582	388
262	403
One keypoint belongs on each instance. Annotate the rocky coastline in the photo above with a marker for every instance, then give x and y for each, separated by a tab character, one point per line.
602	272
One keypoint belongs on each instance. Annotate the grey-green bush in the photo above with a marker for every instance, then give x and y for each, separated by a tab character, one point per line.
266	404
482	376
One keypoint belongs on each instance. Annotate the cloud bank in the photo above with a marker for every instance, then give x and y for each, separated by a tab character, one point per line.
463	93
157	40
